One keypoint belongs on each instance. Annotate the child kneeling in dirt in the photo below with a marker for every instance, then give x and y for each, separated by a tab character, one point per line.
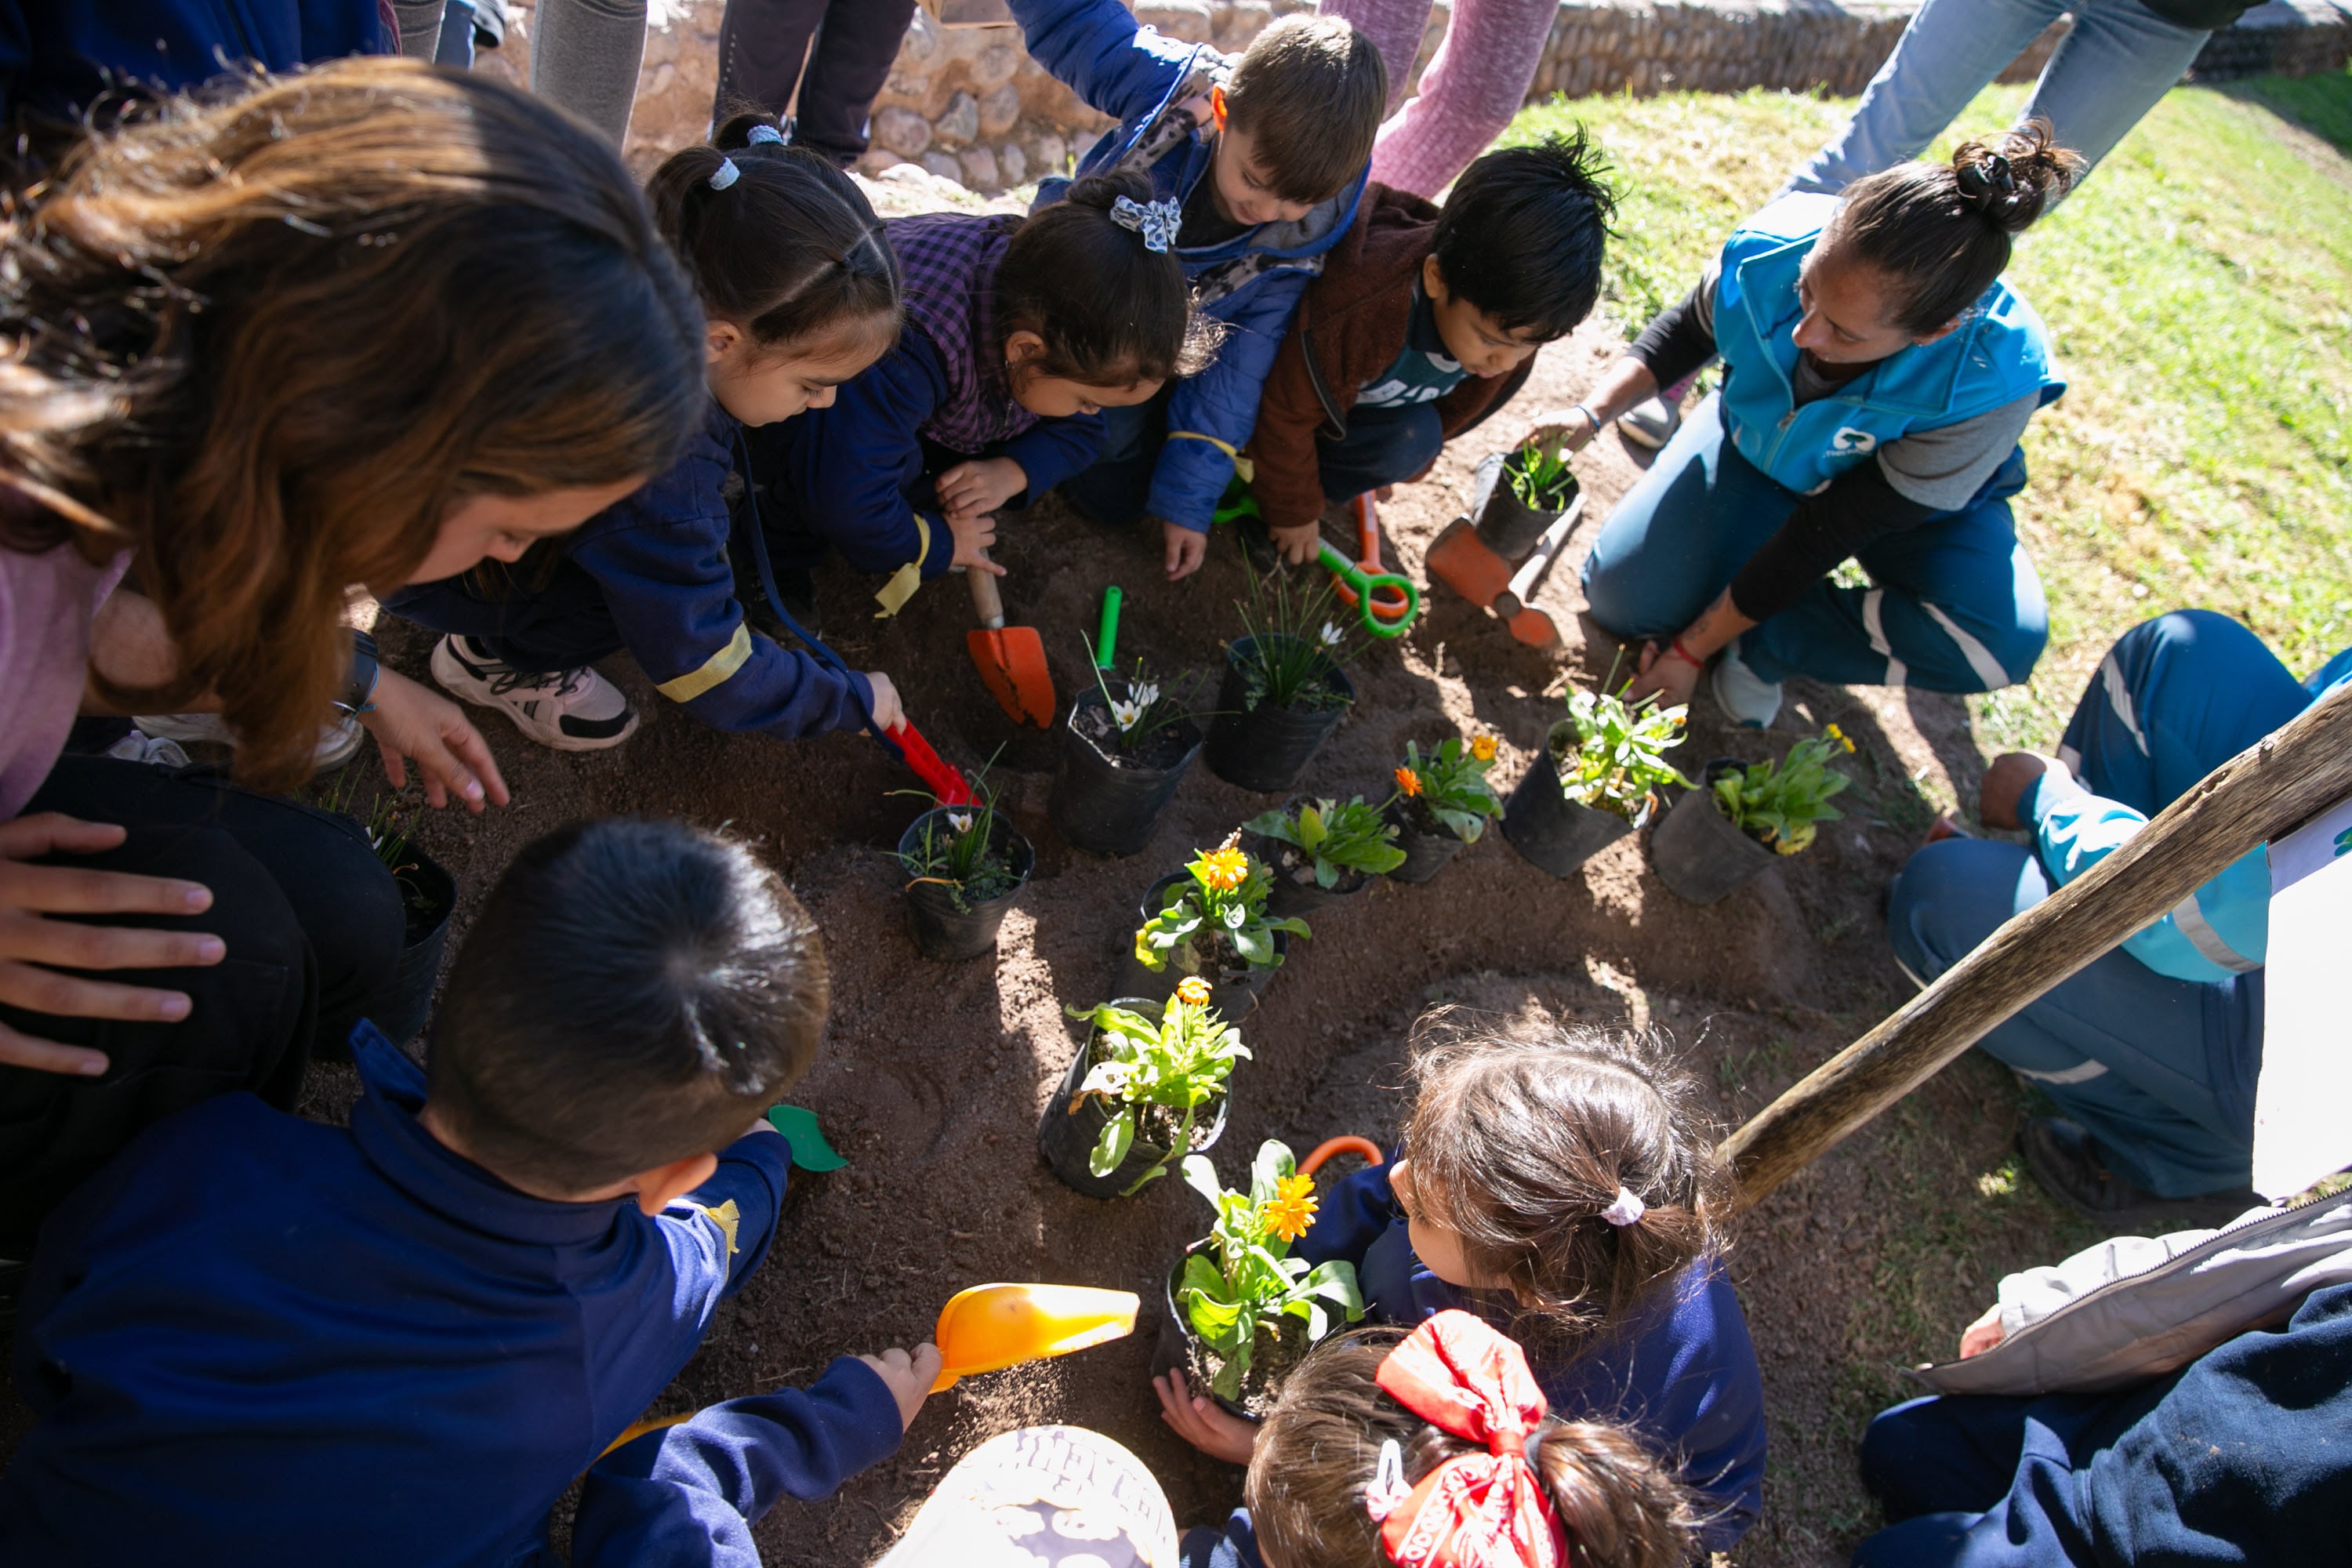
1437	1449
1425	321
800	293
1562	1184
1019	333
257	1339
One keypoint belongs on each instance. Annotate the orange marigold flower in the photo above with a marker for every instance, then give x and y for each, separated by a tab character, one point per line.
1292	1208
1223	870
1483	747
1192	991
1408	781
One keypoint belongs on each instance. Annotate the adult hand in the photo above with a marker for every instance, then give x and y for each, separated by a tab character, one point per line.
1667	674
974	532
1565	430
2005	784
29	943
1983	1334
1298	545
888	711
909	1377
1186	550
1202	1422
981	486
411	723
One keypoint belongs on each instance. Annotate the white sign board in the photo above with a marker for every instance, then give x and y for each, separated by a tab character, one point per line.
2302	1101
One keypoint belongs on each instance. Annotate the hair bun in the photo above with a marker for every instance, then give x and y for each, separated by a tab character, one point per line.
2017	176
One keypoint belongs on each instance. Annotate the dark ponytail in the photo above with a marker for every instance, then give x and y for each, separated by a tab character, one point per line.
1112	311
785	247
1943	230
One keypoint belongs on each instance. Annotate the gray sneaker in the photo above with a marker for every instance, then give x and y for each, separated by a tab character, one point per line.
567	710
1744	698
338	743
1651	423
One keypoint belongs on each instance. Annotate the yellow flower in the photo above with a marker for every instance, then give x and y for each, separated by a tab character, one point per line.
1408	781
1192	991
1483	747
1223	870
1835	733
1292	1208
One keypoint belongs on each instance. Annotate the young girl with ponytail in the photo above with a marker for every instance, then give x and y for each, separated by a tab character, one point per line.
1562	1184
800	293
1439	1450
1021	331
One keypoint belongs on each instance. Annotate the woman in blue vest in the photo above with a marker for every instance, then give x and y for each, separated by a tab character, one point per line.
1877	375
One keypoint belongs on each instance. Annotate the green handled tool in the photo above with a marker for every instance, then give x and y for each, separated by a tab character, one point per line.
1107	634
1368	585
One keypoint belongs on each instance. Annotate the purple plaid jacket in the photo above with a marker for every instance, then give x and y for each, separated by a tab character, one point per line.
949	261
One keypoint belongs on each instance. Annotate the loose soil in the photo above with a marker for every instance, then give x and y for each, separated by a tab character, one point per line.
1161	750
934	1075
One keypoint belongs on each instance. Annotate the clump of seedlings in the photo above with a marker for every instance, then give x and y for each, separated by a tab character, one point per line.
1152	1090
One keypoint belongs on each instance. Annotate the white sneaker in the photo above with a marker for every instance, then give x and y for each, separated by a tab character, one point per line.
1744	698
1651	423
137	747
338	743
568	709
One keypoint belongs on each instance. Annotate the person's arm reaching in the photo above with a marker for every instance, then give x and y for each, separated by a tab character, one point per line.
1677	342
1098	50
1212	415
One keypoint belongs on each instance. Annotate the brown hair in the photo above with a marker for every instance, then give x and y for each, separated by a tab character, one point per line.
1310	93
1320	1446
632	993
1112	311
1943	231
1520	1136
267	340
790	249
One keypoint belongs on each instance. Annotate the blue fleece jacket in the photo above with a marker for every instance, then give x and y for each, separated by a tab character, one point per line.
57	56
1683	1373
1252	282
254	1339
661	559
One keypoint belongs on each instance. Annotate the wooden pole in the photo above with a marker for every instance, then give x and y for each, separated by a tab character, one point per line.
2264	792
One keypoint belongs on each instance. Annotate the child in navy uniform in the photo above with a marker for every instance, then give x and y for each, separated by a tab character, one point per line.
1019	333
1561	1184
259	1338
801	293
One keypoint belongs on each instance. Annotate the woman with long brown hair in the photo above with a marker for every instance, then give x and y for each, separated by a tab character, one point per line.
325	331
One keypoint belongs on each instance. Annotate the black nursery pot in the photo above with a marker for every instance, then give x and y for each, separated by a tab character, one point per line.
1698	852
1551	832
1266	748
409	1001
1176	1346
942	931
1234	1000
1426	851
1065	1137
1290	896
1508	526
1110	806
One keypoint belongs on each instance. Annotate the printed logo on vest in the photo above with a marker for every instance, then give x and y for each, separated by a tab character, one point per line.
1850	442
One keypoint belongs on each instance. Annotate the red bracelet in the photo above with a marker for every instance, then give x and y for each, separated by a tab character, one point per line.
1680	652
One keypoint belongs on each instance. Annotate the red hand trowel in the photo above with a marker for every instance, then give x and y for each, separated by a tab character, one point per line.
1462	561
1012	659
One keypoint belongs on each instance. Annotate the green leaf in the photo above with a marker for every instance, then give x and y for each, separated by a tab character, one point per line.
810	1151
1118	1138
1201	1177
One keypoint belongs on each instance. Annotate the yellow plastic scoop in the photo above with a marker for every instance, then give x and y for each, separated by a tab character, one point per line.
989	1327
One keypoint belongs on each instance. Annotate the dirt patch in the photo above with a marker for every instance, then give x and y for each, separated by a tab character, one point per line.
934	1075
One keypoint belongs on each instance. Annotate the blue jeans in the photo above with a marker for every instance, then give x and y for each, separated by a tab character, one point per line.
1116	486
2162	1071
1383	446
1954	605
2113	65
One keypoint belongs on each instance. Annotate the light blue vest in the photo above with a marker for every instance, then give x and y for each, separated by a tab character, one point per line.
1998	355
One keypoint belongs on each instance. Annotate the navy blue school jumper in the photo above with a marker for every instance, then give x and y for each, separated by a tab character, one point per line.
254	1339
58	56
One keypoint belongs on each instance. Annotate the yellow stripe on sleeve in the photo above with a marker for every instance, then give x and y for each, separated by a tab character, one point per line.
715	670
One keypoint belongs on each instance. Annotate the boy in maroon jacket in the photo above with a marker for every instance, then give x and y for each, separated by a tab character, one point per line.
1425	321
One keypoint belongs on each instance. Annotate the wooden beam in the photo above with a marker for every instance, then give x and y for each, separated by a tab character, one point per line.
2266	791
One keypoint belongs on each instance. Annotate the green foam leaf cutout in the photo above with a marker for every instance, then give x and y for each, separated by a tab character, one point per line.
810	1151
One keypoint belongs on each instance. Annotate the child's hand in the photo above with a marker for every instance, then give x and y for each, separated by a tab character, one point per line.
1298	545
1186	550
1981	1335
981	486
888	711
974	532
909	1377
1202	1422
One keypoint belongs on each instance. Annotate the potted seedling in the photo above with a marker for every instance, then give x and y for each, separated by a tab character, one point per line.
1124	748
429	895
1139	1094
1597	780
1283	691
1241	1312
1719	836
965	864
1527	494
1321	850
1442	802
1211	919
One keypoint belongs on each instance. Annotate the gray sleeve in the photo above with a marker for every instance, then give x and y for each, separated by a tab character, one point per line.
1941	469
1702	300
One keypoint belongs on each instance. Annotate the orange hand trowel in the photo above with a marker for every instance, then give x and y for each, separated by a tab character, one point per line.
1012	659
990	1327
1462	561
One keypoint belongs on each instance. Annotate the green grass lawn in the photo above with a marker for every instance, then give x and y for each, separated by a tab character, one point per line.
2200	288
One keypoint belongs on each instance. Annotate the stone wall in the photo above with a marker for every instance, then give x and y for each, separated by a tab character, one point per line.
967	104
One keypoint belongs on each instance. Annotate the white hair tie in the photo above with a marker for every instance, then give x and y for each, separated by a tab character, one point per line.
1627	1210
726	174
762	134
1389	1489
1157	222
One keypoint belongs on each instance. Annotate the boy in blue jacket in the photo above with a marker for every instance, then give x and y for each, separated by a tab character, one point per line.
265	1340
1265	153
